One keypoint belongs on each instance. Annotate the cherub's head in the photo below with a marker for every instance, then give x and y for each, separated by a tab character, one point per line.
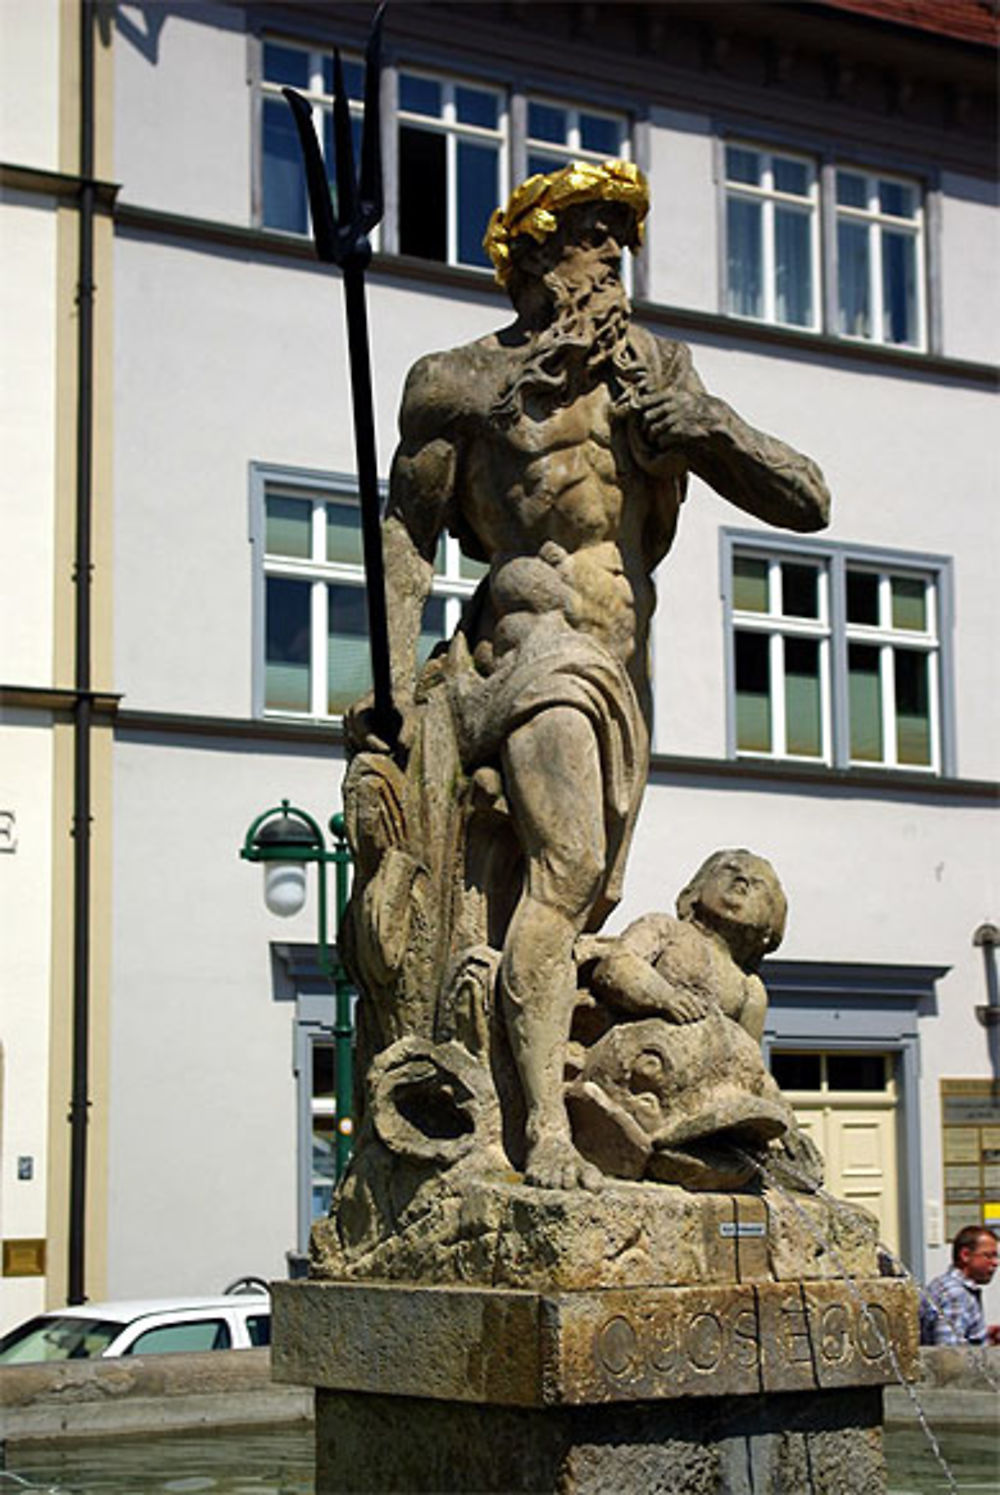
738	896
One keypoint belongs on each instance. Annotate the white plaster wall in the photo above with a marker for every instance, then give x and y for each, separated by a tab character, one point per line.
970	267
682	233
911	464
27	435
29	83
221	362
202	1138
182	102
25	941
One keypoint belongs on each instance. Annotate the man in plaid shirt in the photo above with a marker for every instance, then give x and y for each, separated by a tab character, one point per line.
952	1308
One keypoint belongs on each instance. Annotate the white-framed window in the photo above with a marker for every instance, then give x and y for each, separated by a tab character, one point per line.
880	258
312	632
449	143
837	655
283	199
558	133
781	651
893	666
772	236
779	208
452	166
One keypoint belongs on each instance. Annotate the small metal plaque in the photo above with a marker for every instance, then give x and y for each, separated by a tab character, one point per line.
24	1258
743	1229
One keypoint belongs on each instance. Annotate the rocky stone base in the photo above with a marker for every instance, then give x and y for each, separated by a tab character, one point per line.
827	1443
459	1227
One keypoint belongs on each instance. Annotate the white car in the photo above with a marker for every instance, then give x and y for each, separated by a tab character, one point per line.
239	1319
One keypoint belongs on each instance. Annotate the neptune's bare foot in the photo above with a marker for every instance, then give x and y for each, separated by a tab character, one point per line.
554	1163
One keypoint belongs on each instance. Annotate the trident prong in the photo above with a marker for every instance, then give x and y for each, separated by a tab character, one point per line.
343	241
359	203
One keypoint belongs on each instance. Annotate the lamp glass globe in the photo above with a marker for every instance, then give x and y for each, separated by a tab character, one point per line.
285	888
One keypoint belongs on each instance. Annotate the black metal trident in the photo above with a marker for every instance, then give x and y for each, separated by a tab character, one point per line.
344	241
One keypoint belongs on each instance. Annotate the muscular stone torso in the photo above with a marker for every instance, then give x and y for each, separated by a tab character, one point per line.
570	520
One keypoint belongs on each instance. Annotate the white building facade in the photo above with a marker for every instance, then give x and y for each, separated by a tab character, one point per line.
823	234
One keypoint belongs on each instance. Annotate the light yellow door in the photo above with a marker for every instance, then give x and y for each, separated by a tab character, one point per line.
854	1128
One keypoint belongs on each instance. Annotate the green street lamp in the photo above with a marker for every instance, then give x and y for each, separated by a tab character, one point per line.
285	840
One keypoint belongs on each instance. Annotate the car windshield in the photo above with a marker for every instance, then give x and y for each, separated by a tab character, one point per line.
56	1338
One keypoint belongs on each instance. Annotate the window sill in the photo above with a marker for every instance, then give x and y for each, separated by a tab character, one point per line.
887	782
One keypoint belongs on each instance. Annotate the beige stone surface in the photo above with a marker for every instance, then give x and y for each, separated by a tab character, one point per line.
516	1348
460	1227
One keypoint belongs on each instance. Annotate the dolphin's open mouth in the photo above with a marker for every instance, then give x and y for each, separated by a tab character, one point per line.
723	1160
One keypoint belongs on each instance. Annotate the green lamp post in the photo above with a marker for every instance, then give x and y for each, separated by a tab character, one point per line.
285	840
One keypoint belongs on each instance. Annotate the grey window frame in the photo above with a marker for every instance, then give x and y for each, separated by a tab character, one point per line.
828	156
836	555
826	1007
819	252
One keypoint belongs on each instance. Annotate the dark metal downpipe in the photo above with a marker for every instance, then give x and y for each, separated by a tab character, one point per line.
83	709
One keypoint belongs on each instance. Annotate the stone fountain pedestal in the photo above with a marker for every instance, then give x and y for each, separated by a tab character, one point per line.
760	1373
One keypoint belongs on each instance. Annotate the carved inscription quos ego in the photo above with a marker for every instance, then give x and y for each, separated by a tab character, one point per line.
702	1347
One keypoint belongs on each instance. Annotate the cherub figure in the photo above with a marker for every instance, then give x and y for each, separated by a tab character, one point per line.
675	1088
731	914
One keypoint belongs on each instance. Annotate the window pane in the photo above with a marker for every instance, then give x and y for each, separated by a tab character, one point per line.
854	301
852	191
865	702
354	77
477	197
286	668
796	1071
909	603
348	662
343	533
322	1070
542	165
899	288
546	122
745	257
288	65
423	221
753	693
803	722
171	1339
432	627
855	1071
288	526
598	133
323	1152
470	570
259	1329
799	590
913	722
750	584
742	165
330	155
862	597
791	176
898	199
283	179
419	95
793	267
474	107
